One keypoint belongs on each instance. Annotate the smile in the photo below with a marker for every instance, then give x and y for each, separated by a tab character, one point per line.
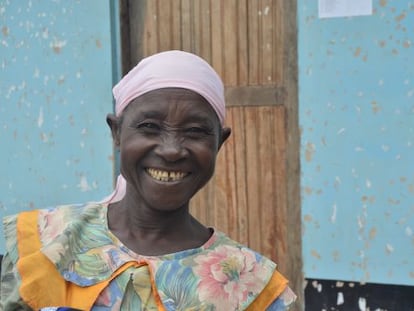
166	176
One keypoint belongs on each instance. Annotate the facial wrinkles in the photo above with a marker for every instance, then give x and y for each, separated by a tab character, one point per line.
174	129
172	144
173	147
174	98
174	114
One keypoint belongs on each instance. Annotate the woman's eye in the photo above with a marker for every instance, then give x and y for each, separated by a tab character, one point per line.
148	126
198	131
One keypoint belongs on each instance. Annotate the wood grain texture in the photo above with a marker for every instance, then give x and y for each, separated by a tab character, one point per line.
243	40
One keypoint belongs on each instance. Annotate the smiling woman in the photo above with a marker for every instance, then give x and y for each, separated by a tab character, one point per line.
140	248
166	134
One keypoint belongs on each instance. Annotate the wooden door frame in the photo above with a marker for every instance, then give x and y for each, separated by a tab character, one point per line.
288	96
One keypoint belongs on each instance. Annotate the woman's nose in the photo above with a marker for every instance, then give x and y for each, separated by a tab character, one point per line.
171	148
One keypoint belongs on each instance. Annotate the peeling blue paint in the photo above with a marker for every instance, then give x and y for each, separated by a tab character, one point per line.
56	76
356	101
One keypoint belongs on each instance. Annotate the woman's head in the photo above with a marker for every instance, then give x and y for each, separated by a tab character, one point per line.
168	126
171	69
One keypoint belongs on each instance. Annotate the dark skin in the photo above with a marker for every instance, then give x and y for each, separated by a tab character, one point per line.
168	141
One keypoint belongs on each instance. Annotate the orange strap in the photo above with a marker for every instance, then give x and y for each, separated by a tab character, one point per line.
41	284
273	289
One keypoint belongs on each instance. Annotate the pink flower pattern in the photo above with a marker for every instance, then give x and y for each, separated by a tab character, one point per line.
227	276
52	224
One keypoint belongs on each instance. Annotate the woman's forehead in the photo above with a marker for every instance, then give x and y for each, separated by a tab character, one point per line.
159	103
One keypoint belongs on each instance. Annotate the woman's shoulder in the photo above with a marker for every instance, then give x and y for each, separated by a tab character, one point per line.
75	239
260	270
55	221
47	224
221	260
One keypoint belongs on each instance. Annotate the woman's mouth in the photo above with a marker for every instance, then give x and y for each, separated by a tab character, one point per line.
166	176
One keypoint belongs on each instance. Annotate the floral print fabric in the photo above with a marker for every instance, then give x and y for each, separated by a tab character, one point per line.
228	275
220	275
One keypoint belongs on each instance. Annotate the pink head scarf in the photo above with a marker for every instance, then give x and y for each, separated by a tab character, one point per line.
163	70
171	69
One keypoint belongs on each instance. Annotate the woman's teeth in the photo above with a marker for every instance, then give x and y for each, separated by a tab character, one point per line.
165	175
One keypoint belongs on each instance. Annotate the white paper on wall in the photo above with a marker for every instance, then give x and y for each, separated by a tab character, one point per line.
344	8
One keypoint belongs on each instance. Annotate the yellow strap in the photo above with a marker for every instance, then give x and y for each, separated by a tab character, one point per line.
41	283
30	259
273	289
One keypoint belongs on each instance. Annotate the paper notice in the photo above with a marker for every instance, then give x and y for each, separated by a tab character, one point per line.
344	8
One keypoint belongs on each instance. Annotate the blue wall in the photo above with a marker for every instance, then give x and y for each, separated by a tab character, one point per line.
56	76
356	97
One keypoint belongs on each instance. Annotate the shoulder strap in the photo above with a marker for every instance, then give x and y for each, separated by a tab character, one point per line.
41	284
273	289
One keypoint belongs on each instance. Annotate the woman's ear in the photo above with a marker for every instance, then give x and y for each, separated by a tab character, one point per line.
225	133
114	123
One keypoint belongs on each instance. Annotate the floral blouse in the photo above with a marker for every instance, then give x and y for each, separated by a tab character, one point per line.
220	275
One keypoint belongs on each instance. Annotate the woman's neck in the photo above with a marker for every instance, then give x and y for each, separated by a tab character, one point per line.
149	231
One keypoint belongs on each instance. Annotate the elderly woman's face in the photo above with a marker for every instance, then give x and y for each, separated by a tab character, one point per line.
168	140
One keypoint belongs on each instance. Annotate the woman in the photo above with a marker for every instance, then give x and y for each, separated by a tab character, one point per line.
140	248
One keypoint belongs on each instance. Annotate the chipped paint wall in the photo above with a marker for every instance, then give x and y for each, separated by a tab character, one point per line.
356	101
56	75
